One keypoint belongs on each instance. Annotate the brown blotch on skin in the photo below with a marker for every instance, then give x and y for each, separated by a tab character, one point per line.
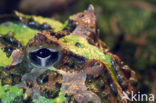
85	24
17	56
43	38
94	67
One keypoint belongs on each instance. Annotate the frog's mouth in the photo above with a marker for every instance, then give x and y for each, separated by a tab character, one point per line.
44	57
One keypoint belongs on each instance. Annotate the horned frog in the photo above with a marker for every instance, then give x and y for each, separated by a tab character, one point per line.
74	62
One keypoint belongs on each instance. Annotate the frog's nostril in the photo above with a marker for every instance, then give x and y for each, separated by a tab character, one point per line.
44	57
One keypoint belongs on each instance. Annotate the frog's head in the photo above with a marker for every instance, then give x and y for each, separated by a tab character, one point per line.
43	51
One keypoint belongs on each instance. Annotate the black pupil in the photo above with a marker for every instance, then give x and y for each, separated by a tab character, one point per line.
43	53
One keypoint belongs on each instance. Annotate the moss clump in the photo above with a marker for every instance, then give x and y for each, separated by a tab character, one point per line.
87	50
9	93
60	99
54	24
4	60
21	32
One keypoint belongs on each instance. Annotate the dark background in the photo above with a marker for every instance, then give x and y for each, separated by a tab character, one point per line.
127	26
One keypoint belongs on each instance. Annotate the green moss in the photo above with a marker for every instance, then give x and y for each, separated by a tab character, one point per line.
54	24
21	32
4	60
9	93
60	99
88	51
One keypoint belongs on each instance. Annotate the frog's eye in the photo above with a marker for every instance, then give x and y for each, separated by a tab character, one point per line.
44	57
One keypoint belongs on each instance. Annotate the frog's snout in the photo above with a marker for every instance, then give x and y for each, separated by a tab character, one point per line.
44	57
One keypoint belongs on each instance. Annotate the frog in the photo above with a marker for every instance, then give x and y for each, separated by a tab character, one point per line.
72	61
